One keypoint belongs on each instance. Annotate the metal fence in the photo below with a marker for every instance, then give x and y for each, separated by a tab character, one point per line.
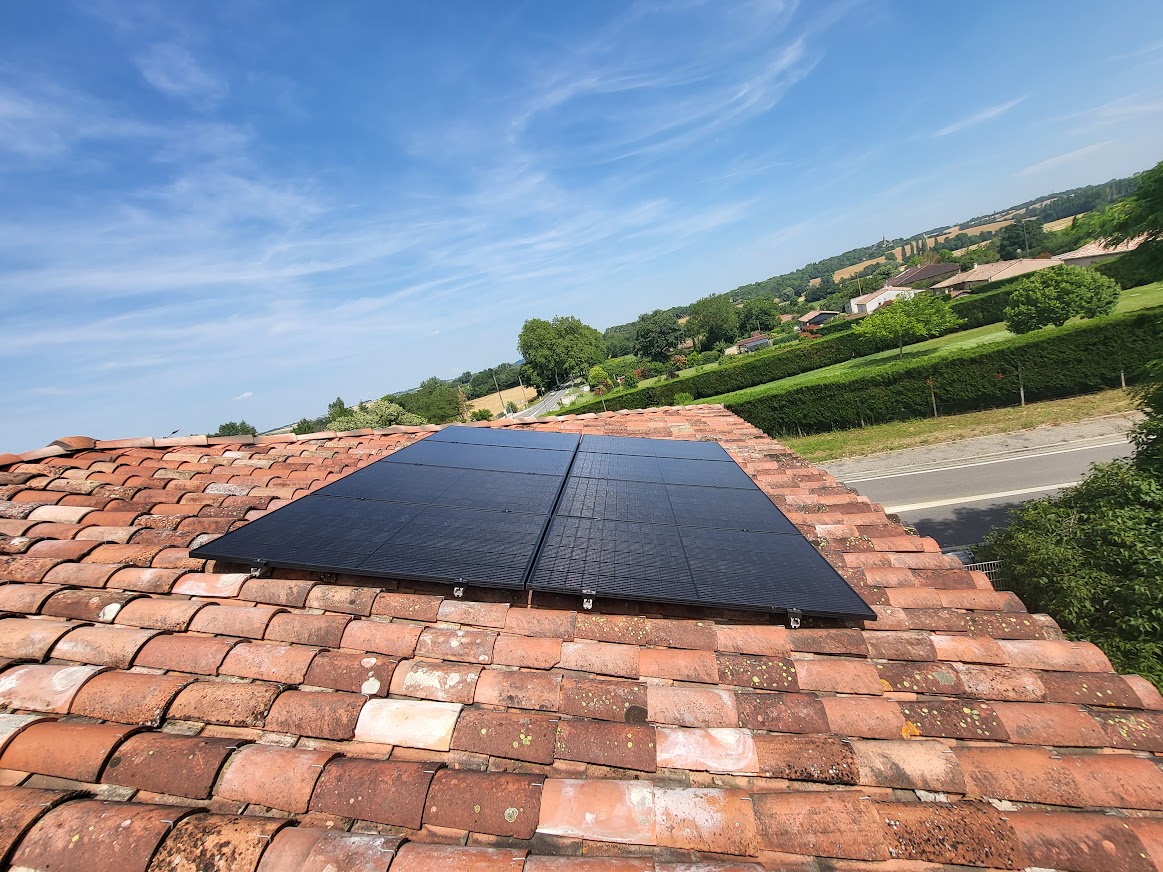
992	568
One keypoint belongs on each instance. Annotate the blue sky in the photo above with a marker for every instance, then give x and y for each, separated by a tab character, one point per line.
214	211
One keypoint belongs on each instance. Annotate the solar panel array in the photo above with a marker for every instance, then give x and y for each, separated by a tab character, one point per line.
598	516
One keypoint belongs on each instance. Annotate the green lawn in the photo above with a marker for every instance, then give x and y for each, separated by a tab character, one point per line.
1130	300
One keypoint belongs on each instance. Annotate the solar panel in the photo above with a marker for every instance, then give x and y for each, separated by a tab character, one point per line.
600	516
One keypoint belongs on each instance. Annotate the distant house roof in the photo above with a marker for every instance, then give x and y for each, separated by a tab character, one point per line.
755	338
923	273
880	292
783	319
303	722
815	313
1102	248
996	272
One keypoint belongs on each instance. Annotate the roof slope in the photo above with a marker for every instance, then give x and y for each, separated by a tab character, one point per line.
1103	248
162	711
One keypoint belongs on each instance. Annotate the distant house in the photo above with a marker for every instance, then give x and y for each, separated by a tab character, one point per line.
927	272
869	303
995	272
1099	250
815	318
754	342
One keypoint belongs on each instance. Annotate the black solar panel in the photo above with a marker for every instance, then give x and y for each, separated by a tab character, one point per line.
603	516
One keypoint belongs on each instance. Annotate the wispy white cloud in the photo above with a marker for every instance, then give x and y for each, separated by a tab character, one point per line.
245	395
987	114
174	71
1060	160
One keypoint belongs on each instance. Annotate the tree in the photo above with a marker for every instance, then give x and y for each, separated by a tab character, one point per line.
1148	433
759	313
435	401
598	377
373	416
890	256
235	428
713	319
336	408
619	340
1141	214
656	335
1022	238
482	415
909	319
559	349
510	407
1055	295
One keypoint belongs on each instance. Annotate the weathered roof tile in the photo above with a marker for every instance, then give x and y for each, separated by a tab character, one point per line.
127	697
76	751
174	765
270	776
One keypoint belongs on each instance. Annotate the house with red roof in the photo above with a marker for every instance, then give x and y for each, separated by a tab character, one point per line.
164	712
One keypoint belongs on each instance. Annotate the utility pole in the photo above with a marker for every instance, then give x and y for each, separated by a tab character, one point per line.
504	413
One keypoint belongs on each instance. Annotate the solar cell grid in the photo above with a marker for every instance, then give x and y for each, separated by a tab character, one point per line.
648	519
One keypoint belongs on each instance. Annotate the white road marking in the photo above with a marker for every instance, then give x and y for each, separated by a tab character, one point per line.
983	462
956	501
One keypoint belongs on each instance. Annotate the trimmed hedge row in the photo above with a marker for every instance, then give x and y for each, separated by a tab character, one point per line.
976	310
1062	362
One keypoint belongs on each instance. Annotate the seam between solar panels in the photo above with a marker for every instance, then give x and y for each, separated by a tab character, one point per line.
533	560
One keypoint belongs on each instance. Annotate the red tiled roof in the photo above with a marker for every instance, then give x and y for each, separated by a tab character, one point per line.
162	713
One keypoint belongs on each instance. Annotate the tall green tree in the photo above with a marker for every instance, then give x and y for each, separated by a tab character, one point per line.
336	408
909	319
435	401
759	313
713	319
1022	238
656	335
561	349
1141	214
1055	295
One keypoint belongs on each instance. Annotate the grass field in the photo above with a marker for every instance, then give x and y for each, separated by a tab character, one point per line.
1131	300
934	431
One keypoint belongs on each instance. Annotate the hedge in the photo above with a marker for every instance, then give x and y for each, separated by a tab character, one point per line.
1058	362
976	310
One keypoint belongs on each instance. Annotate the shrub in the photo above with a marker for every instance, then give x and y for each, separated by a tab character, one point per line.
679	361
629	380
1092	557
374	416
1055	295
683	399
235	428
510	407
481	415
599	378
1075	359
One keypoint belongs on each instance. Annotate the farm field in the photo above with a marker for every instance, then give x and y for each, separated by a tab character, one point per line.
495	402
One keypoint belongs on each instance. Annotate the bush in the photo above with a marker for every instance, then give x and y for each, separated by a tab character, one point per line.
235	428
629	380
1092	557
1055	295
683	399
1073	360
482	415
510	407
599	378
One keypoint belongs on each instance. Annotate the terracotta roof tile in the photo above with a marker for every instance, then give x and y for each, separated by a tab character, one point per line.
398	640
268	661
625	746
323	715
356	673
607	811
691	707
75	751
145	580
485	802
708	819
235	704
174	765
22	639
819	825
524	689
47	688
111	837
81	574
437	681
184	653
248	622
324	631
529	651
308	849
417	857
413	607
724	750
159	613
210	841
528	737
411	723
554	624
270	776
963	833
102	646
473	613
20	808
338	598
100	606
25	598
127	697
385	792
466	646
601	658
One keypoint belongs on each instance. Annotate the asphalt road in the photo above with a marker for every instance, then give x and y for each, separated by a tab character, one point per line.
543	406
957	500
